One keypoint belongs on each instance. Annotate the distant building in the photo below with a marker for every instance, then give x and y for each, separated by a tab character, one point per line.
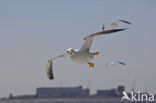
62	92
10	96
111	93
106	93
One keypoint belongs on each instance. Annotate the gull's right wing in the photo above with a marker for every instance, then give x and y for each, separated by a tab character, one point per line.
49	70
49	67
89	39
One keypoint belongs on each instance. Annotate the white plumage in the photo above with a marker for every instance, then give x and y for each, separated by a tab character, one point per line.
83	55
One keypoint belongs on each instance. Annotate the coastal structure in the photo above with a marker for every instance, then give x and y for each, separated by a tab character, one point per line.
62	92
71	92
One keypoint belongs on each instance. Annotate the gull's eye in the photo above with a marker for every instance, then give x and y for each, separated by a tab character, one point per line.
69	50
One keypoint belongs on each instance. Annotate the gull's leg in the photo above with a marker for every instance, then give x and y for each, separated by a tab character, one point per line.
91	65
96	53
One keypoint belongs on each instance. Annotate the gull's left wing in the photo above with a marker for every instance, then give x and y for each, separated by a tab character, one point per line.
89	39
49	67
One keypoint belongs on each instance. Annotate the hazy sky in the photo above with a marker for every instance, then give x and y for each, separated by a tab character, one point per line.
32	31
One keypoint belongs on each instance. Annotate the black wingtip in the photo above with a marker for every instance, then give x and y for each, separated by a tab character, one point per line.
125	22
121	63
51	78
49	70
121	29
113	31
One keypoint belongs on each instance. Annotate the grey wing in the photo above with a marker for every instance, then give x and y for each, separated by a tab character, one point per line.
49	70
89	39
59	56
87	44
49	67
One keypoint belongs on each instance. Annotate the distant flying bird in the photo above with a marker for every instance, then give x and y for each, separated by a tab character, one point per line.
83	55
114	63
114	23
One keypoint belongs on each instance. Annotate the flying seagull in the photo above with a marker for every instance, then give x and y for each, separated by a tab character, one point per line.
114	63
114	23
83	55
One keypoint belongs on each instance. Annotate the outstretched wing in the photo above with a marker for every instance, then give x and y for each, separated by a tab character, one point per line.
64	55
49	70
49	67
89	39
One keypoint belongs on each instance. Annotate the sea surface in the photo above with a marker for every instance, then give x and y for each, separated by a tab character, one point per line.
69	101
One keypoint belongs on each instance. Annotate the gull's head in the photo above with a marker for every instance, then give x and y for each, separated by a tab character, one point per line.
70	50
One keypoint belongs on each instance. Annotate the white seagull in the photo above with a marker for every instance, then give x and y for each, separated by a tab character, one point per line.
83	55
114	63
115	23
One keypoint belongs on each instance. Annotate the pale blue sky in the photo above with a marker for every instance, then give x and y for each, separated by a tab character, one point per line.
32	31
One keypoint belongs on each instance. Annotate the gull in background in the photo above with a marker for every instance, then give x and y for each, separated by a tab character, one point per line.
115	63
115	23
83	55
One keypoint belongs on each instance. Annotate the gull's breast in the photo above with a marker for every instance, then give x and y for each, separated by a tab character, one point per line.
82	57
